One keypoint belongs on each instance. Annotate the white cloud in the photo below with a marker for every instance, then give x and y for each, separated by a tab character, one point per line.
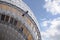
52	6
43	19
45	23
53	32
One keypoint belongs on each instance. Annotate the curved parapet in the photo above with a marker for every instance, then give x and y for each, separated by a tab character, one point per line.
17	15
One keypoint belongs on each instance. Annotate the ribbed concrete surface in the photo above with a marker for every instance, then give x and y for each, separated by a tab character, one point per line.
8	33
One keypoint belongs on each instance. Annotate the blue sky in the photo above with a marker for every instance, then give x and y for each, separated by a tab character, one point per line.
47	13
37	7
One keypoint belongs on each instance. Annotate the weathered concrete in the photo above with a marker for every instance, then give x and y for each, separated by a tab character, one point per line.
9	33
16	9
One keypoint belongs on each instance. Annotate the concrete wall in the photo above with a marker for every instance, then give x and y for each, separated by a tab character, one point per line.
15	12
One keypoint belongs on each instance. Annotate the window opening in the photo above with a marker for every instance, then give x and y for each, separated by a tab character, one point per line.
15	22
2	17
7	18
21	30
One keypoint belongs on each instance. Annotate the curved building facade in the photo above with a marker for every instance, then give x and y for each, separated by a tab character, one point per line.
17	21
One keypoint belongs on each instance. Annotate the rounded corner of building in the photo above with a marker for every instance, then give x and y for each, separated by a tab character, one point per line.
20	19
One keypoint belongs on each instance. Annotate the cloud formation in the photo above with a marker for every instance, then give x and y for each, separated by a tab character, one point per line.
52	6
53	32
45	23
